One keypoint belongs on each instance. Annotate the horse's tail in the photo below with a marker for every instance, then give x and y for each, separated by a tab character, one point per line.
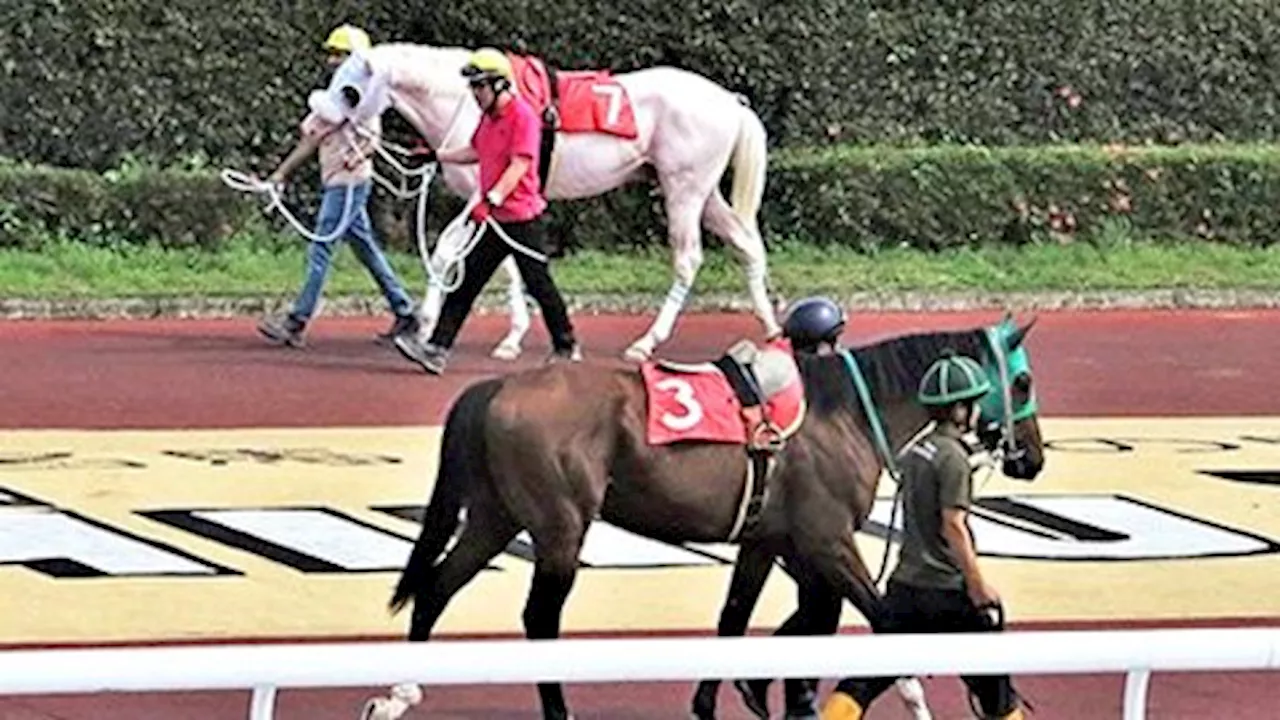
750	160
462	462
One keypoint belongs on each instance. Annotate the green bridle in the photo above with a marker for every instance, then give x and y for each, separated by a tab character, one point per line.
998	407
1010	363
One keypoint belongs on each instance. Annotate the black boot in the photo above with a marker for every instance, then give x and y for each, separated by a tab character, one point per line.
801	695
755	695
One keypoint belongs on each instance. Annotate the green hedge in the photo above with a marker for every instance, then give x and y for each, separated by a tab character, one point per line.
87	82
868	198
955	195
134	204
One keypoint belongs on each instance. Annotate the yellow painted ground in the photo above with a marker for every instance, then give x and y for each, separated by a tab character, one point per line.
111	477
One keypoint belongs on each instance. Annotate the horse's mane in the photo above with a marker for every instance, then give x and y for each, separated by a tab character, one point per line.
892	367
431	65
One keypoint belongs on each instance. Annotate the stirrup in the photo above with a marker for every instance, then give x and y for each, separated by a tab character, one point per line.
768	437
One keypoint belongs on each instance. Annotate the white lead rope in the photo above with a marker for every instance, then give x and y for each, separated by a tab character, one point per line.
453	264
243	182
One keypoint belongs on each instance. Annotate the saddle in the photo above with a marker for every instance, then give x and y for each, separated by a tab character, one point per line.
572	101
767	386
534	77
755	376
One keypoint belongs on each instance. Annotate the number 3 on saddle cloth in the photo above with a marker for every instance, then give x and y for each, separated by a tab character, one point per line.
751	396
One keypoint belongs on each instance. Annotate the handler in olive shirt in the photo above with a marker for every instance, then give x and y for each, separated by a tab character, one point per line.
937	586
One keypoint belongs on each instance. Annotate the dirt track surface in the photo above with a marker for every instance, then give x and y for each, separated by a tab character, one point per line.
218	373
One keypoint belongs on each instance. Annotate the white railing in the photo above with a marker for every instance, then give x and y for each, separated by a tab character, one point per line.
265	668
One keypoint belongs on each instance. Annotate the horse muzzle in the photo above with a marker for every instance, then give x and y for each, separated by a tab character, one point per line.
325	105
1020	466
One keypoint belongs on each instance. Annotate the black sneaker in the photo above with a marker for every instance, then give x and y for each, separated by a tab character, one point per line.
559	355
401	325
285	330
432	358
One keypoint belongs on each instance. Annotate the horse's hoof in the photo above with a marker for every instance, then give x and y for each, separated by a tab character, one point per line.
638	352
506	351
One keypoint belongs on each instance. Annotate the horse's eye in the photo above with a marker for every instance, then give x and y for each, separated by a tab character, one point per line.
1022	383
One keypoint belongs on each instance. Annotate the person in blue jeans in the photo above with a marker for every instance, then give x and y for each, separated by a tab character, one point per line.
346	171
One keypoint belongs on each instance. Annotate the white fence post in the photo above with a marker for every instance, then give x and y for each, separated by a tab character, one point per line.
1136	683
262	706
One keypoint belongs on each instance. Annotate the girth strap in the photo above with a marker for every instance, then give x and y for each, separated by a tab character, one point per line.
742	380
747	387
550	124
761	464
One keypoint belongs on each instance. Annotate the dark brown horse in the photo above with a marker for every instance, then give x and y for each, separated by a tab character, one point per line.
550	450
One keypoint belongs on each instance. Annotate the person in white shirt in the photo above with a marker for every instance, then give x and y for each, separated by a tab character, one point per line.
346	171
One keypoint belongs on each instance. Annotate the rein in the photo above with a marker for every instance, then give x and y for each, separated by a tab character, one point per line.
882	446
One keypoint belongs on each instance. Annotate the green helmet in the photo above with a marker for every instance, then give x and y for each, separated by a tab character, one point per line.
953	378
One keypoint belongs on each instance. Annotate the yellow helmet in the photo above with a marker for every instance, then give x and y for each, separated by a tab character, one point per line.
488	64
347	38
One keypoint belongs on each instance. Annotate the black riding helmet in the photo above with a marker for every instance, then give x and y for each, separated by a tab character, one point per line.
813	321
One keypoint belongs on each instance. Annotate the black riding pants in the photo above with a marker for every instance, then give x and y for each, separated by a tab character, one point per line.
912	609
480	265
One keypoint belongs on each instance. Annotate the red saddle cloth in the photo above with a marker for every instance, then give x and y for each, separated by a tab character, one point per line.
697	403
588	101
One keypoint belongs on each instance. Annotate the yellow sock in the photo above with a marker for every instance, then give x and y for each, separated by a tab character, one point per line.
840	706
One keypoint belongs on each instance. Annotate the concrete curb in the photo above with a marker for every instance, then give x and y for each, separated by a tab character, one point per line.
373	305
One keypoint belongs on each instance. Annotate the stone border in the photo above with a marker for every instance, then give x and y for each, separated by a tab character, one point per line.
373	305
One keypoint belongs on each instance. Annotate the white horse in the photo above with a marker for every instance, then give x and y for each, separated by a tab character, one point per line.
689	130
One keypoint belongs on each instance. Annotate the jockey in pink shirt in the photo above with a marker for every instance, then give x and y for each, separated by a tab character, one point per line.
506	146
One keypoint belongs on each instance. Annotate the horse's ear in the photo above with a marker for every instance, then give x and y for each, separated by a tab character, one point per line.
1020	334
